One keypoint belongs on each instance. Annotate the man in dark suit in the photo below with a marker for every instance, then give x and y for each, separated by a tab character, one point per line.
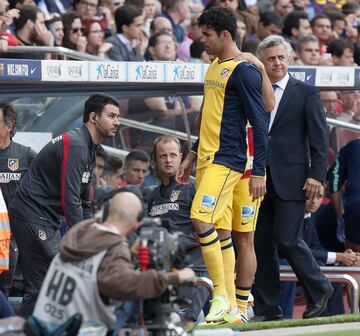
296	168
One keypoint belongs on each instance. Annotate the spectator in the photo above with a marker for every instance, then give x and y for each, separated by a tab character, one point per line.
149	14
241	30
15	161
59	7
162	47
108	8
57	29
101	248
308	50
129	26
321	28
160	23
94	34
283	8
342	52
177	11
338	23
198	52
172	201
296	25
58	185
31	31
86	9
193	29
73	32
136	166
270	23
302	137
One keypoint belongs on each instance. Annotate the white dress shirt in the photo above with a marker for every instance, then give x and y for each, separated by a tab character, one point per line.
279	91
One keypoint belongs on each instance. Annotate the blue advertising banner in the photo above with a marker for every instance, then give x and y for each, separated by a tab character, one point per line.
20	69
306	75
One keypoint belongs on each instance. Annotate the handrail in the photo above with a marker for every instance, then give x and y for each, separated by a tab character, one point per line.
343	124
156	129
58	50
341	278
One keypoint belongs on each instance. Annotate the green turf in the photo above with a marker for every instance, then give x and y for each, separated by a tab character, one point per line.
288	323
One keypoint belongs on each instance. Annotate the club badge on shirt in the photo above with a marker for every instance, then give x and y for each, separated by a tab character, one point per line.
13	164
174	195
85	177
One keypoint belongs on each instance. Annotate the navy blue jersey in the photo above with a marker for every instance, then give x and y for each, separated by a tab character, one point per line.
173	202
14	163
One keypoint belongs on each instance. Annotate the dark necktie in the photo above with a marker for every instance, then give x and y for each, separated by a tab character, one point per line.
275	86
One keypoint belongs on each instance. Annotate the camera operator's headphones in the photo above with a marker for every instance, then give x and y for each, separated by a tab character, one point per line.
103	203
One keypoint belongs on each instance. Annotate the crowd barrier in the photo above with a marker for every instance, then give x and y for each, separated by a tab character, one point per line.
341	274
155	72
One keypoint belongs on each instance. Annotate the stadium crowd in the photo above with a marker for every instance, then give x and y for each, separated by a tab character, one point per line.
321	33
312	185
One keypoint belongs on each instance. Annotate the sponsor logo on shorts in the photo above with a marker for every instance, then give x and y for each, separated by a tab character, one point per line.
245	223
247	212
208	201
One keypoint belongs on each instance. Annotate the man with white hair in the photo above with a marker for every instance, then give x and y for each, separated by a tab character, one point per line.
296	169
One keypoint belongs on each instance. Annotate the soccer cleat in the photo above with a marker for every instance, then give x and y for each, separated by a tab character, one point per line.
236	316
219	308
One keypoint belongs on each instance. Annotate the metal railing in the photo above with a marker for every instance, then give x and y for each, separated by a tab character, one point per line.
73	54
340	274
343	124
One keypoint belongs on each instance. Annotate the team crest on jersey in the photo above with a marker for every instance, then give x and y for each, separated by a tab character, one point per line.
224	73
42	235
174	195
85	177
13	164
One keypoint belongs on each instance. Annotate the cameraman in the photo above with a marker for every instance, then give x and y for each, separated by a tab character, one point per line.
172	200
94	267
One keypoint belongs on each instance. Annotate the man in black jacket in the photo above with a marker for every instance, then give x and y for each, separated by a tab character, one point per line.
57	185
296	169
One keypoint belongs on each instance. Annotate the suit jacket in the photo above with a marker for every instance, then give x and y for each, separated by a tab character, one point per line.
297	140
311	238
119	51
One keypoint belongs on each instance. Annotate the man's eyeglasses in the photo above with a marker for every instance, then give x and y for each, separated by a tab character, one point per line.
76	30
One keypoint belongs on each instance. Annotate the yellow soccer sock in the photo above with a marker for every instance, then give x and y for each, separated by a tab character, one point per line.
228	257
242	296
211	251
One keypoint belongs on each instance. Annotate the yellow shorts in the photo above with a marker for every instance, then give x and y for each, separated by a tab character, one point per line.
213	200
245	211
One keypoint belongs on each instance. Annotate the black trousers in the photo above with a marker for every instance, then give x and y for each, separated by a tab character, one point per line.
38	243
6	278
279	226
